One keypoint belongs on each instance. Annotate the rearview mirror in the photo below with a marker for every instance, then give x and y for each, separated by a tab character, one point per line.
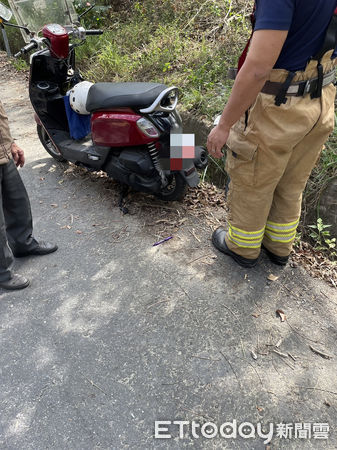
5	13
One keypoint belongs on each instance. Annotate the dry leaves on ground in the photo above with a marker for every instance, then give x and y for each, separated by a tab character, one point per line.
281	315
272	277
316	263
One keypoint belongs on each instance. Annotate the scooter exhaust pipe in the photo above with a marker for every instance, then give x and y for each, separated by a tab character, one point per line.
201	158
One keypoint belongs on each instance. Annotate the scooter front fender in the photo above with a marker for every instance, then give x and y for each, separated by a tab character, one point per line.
37	119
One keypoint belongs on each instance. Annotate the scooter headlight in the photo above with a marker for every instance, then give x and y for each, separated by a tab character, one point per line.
147	128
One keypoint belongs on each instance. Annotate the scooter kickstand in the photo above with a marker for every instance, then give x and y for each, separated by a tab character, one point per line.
124	192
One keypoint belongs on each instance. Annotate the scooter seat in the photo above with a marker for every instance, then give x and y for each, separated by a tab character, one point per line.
117	95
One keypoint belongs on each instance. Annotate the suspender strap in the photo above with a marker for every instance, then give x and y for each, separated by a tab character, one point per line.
243	57
318	92
282	95
330	41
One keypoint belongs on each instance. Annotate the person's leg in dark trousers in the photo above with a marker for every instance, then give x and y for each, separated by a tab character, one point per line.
6	255
17	211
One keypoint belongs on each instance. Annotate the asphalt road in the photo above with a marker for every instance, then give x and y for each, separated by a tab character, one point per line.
114	334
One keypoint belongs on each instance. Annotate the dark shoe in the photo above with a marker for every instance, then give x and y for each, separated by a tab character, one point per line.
279	260
218	240
15	283
44	248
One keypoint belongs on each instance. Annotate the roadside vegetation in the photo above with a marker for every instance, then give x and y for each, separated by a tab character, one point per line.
190	44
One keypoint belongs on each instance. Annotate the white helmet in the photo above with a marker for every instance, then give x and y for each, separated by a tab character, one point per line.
78	97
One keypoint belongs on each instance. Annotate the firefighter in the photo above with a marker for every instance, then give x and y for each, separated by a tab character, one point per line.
276	121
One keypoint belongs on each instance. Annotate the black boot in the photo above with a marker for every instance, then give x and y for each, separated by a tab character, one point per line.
218	240
279	260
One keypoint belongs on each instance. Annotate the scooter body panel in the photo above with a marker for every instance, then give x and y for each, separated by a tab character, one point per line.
117	129
58	38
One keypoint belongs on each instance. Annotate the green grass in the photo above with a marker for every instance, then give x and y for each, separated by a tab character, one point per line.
20	64
323	173
188	44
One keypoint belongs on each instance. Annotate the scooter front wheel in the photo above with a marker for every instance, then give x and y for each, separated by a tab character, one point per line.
175	190
49	145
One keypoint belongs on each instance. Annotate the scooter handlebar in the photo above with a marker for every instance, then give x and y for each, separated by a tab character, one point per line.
27	48
93	32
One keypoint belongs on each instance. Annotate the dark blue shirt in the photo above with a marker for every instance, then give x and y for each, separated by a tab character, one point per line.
307	22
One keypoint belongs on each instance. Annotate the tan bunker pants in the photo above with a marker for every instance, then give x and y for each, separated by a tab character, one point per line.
271	153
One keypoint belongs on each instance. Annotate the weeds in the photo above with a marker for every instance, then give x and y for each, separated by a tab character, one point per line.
19	64
321	237
188	43
324	172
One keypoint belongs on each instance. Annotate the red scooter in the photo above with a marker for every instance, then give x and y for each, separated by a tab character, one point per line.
123	129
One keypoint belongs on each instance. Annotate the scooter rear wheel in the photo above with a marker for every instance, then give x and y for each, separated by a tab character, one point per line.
175	190
49	145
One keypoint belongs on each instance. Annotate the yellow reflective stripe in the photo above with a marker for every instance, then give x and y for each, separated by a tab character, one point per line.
291	233
244	244
285	241
282	234
281	231
282	226
281	237
248	234
244	240
250	238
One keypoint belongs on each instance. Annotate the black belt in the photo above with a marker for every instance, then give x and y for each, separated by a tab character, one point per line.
300	88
